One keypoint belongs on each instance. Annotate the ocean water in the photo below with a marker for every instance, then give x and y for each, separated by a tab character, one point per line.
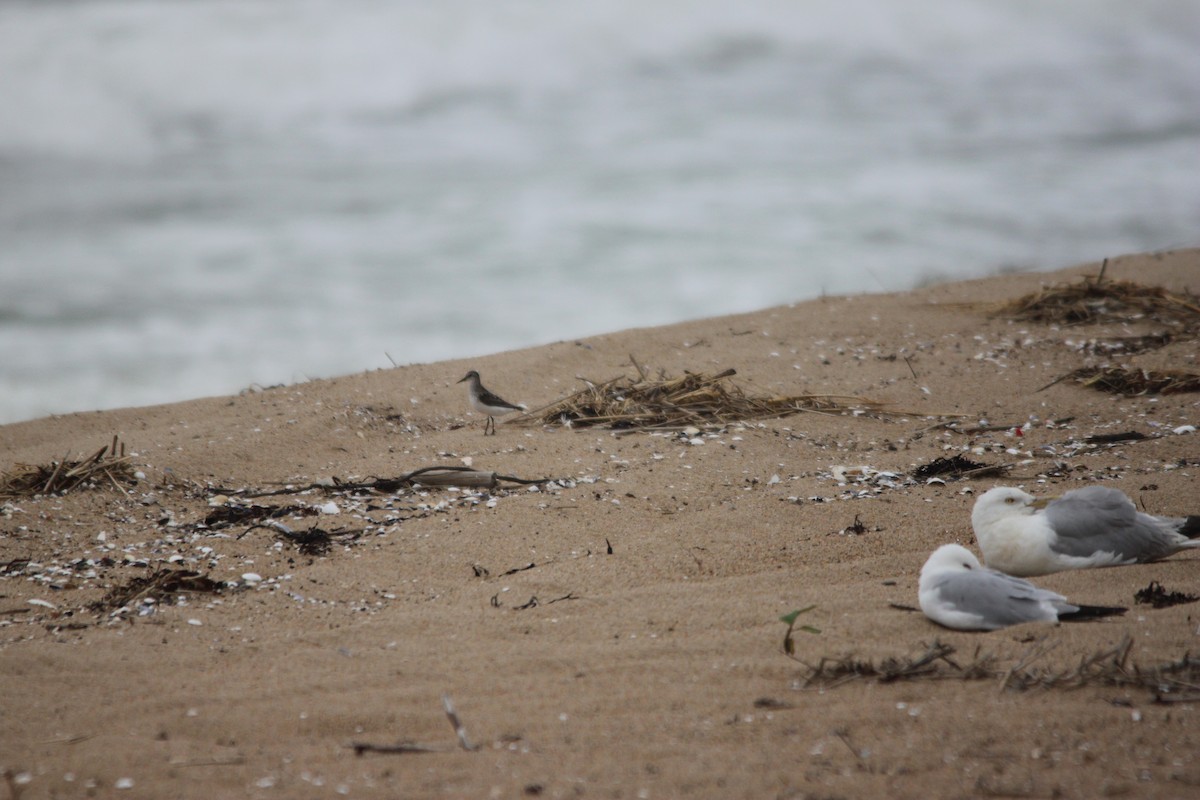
201	195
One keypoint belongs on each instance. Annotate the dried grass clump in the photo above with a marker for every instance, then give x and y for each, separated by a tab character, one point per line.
1171	682
165	585
107	466
1132	382
671	403
1097	300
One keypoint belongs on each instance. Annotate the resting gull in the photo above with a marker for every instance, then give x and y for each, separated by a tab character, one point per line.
959	592
1091	527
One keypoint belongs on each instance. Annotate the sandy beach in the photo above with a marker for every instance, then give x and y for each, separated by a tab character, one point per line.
608	625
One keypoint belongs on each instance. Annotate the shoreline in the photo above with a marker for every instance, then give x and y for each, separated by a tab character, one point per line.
616	632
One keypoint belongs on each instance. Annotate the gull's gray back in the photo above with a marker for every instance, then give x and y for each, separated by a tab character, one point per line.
1097	518
999	599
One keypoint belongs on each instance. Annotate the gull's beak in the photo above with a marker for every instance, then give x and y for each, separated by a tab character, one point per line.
1042	502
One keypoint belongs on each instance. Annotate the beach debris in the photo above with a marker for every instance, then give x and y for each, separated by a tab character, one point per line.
431	477
1158	597
1113	438
957	467
108	466
1105	667
857	527
694	400
868	478
165	585
315	541
233	513
1124	345
1094	300
1132	382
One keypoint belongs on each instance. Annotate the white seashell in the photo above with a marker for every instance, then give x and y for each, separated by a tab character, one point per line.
251	578
34	601
1184	429
328	508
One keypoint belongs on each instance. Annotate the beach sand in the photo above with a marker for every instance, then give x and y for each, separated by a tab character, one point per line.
615	634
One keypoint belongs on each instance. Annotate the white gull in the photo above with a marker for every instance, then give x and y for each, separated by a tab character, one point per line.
1091	527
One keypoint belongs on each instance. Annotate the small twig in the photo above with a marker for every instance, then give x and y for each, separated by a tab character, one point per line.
403	747
1032	654
228	761
845	737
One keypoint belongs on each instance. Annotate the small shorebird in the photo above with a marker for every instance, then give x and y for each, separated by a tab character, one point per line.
487	403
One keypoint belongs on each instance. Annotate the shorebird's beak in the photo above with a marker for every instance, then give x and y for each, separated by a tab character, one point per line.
463	378
1042	502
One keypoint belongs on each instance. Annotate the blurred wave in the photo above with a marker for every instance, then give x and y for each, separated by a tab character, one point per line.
197	196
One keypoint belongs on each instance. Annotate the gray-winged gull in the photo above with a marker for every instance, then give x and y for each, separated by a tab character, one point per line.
1091	527
959	592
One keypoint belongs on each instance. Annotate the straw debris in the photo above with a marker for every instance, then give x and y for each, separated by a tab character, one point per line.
1132	382
108	466
665	403
1108	667
165	585
1095	300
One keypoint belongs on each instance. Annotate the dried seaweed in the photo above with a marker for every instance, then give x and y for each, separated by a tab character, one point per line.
314	541
1134	382
163	585
1158	597
446	475
1128	345
664	403
958	467
1109	667
1096	300
108	466
228	515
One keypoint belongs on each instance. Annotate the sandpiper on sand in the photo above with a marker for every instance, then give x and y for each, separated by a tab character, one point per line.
487	403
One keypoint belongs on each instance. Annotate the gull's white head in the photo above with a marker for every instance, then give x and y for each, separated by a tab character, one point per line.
949	558
1003	502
